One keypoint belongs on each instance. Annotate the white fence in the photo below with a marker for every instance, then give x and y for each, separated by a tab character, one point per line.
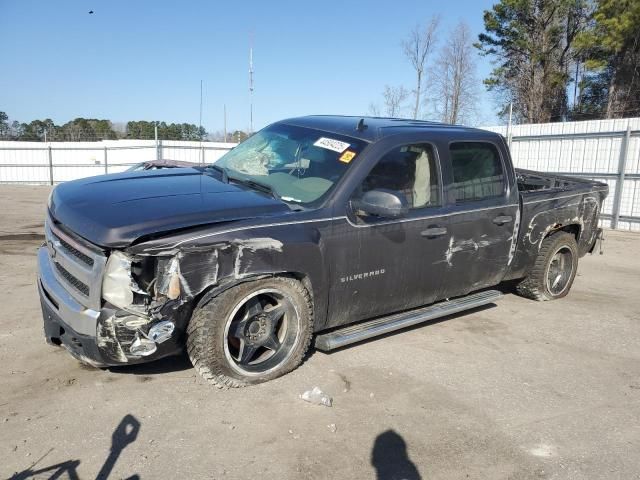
53	162
605	150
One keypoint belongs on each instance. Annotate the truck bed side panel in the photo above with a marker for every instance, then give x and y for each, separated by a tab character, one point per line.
576	205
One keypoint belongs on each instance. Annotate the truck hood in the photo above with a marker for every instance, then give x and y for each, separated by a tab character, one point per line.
114	210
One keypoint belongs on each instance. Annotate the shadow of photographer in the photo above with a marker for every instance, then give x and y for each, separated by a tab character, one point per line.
125	434
390	459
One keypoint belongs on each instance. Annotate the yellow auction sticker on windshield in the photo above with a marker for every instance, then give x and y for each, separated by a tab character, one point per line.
347	156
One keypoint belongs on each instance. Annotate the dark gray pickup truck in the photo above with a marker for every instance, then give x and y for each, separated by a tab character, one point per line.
325	227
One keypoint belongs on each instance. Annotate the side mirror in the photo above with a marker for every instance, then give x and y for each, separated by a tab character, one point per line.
381	203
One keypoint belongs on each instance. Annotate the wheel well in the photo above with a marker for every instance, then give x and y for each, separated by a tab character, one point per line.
574	229
214	290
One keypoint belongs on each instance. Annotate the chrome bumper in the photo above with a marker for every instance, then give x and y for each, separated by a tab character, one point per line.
81	319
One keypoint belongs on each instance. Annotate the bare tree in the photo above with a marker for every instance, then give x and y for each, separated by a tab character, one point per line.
417	48
393	102
394	98
455	77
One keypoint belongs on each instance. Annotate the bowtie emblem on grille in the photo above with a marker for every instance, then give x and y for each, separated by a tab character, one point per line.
52	248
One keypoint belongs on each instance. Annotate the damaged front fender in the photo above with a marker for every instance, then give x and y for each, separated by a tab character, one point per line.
183	274
153	294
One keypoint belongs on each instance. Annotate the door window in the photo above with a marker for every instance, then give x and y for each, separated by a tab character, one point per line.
477	171
409	171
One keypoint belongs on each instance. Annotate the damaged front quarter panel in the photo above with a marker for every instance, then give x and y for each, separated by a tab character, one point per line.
183	274
156	290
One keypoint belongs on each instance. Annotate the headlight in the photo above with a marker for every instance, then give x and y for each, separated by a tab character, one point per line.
117	282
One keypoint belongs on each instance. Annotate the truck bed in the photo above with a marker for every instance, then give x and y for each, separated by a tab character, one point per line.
549	202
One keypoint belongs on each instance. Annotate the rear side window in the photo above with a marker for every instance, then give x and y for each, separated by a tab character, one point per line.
477	171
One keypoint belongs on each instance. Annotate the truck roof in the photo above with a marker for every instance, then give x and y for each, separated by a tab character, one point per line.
378	127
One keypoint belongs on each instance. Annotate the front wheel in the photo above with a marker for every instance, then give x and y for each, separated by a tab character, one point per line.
554	270
251	333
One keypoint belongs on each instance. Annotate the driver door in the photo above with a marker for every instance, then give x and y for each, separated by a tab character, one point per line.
383	265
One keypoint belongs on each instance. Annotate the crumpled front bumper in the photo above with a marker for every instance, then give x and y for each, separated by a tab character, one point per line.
97	337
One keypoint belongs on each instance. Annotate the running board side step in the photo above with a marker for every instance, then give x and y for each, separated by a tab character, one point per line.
380	326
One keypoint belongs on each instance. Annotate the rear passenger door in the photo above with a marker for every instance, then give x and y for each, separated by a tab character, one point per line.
483	216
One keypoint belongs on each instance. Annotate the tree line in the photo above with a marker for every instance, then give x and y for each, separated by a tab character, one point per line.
92	129
554	60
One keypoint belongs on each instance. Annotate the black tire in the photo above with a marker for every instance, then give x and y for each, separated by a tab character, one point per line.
538	285
240	320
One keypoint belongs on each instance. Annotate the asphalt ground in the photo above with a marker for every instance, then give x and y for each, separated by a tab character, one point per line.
521	390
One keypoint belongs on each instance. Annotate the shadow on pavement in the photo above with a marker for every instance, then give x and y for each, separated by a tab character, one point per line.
389	458
124	434
174	363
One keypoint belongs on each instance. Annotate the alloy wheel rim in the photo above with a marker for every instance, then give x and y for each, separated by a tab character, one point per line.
261	332
559	271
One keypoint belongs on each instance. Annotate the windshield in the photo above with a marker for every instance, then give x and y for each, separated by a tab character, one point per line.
298	164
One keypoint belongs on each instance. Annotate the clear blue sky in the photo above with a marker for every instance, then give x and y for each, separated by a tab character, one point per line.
143	60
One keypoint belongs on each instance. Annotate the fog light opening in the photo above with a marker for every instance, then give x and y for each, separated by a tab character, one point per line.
142	346
161	331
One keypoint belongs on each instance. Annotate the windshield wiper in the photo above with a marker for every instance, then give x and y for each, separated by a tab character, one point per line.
224	176
265	188
262	187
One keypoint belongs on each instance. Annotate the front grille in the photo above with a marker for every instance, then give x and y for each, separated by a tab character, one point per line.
79	265
86	259
83	288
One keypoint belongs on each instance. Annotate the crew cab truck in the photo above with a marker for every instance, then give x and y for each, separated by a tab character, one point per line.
327	227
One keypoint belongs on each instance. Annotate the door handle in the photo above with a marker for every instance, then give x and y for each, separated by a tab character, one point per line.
502	219
434	232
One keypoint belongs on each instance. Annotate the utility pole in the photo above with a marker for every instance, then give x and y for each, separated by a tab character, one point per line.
200	126
200	121
158	149
509	126
225	121
251	87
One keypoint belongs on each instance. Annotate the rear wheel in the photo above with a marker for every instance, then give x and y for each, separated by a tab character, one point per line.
251	333
554	270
